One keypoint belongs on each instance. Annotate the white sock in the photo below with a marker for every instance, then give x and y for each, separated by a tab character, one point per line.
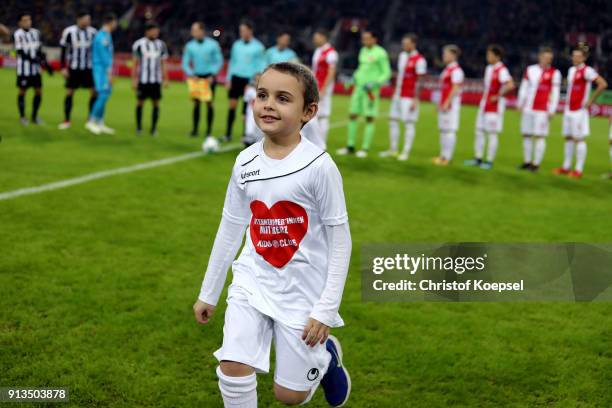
448	145
611	152
324	127
581	153
394	131
540	147
527	149
492	147
408	137
238	392
568	154
479	144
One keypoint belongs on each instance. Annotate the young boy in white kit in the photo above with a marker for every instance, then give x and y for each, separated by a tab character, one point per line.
288	280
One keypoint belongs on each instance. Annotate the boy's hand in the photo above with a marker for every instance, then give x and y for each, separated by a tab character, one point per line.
315	332
203	311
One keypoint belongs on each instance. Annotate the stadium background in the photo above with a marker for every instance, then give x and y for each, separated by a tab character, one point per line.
98	279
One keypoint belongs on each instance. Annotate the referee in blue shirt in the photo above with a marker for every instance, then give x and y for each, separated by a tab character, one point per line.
202	58
247	58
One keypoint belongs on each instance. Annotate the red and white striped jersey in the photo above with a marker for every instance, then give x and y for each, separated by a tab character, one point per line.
323	59
540	89
451	75
579	80
410	66
496	75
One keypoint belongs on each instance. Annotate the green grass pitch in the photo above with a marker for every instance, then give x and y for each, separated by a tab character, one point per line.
97	280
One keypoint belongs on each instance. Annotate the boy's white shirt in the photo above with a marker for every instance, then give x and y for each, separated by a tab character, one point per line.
288	204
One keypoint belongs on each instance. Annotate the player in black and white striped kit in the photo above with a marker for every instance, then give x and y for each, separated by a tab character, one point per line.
29	60
76	62
149	72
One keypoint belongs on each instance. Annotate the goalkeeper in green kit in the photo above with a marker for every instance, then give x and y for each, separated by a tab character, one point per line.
372	72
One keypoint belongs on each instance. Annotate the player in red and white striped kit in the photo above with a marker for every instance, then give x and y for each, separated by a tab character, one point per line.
538	99
580	78
411	66
490	119
449	106
324	62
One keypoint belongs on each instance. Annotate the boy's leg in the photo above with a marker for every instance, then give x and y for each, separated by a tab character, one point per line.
247	336
371	102
299	367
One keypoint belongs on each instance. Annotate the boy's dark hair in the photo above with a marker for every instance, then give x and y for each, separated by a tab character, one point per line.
412	37
151	25
497	50
454	49
304	77
322	31
82	13
22	15
109	18
372	31
248	23
283	32
545	48
583	48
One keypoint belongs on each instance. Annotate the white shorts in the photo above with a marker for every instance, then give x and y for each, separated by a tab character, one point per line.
325	102
576	123
247	336
534	123
490	122
400	110
449	120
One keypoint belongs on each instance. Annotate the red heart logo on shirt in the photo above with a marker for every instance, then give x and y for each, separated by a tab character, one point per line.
276	232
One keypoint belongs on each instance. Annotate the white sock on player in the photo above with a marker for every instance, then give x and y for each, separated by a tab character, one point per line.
527	149
581	153
394	130
448	144
540	147
568	154
408	137
492	147
611	153
324	127
479	144
238	392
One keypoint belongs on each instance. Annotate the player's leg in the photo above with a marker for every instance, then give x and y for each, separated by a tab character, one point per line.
210	108
247	336
371	114
409	116
195	118
235	92
140	98
323	116
21	100
581	131
394	128
479	141
67	106
527	126
568	146
89	84
155	98
541	125
355	110
492	128
301	368
37	84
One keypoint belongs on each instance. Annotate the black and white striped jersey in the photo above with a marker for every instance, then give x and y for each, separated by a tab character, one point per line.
28	47
150	54
76	46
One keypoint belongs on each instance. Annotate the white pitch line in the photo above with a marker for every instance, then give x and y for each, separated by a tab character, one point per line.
107	173
122	170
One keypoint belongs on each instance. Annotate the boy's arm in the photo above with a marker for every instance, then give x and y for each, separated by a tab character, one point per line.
226	246
218	57
339	255
186	62
555	94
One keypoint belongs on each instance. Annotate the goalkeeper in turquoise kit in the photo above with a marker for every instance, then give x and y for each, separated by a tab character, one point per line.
373	71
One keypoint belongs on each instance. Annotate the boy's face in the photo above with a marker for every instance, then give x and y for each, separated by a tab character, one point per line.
152	33
408	45
578	57
282	41
492	58
448	56
197	31
84	21
245	32
545	58
279	106
319	39
25	22
367	39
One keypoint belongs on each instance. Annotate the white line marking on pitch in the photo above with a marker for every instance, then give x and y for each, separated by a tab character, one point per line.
107	173
122	170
